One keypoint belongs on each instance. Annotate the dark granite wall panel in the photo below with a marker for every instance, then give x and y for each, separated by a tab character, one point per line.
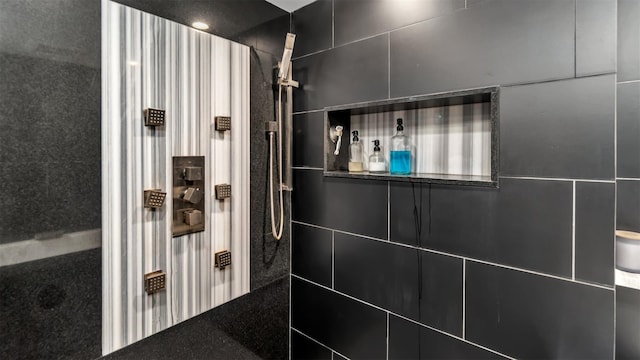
595	214
348	326
535	317
307	144
342	75
269	36
627	323
384	15
269	258
49	134
595	37
628	117
411	341
331	202
525	223
304	348
312	254
628	40
500	42
559	129
312	25
628	205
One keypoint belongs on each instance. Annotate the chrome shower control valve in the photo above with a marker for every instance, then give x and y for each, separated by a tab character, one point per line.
192	195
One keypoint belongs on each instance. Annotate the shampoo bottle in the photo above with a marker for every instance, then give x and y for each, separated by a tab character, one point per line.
355	154
400	163
377	163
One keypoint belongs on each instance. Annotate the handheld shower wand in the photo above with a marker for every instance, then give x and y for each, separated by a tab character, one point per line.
284	80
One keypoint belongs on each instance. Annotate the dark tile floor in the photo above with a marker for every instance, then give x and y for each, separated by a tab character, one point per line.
51	308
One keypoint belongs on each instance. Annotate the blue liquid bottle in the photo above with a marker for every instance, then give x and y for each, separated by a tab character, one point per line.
400	159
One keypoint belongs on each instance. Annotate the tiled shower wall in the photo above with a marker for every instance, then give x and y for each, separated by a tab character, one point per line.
384	269
150	62
628	166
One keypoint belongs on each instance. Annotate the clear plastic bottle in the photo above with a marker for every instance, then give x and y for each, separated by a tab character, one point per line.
400	162
355	154
377	163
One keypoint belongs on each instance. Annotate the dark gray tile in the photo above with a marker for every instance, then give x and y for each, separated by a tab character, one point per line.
628	130
595	224
304	348
628	205
559	129
627	323
355	206
308	131
311	253
347	74
530	316
595	37
352	328
379	273
358	19
423	286
411	341
312	25
497	43
628	40
524	223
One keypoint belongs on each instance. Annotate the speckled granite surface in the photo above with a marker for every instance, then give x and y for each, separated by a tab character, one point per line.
253	326
51	308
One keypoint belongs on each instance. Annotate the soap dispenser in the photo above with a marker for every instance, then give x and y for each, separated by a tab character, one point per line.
355	154
377	163
400	163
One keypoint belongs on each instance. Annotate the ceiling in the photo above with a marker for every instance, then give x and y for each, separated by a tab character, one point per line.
290	5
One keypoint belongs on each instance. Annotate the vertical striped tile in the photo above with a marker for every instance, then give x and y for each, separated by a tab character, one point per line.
446	140
151	62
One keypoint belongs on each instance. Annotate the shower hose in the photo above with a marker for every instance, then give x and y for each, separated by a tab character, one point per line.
277	234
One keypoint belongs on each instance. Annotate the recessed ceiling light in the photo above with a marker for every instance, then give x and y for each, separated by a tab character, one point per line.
200	25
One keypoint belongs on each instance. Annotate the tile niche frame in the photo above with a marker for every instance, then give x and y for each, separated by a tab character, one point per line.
337	166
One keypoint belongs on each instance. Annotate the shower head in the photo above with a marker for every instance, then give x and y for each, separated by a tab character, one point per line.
286	56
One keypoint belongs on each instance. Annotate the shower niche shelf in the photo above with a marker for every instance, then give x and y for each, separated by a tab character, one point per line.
454	136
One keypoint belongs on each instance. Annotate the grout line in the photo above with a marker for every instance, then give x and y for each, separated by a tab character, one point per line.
615	127
333	259
575	38
464	297
333	24
388	210
307	111
625	82
556	179
312	339
398	315
387	335
628	179
389	65
306	168
533	272
573	233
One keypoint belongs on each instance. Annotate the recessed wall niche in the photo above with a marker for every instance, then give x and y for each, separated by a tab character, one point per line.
453	136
